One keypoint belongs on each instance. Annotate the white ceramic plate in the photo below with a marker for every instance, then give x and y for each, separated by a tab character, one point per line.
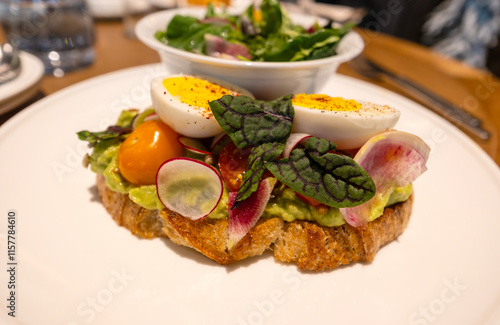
106	8
22	88
76	266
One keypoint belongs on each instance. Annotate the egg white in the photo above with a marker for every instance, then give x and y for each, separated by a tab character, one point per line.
347	129
183	118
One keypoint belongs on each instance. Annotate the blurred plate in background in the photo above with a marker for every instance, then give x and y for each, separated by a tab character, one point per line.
25	86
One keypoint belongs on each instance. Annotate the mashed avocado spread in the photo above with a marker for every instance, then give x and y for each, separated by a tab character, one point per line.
284	203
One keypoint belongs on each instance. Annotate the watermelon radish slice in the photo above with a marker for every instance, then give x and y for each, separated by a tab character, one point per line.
392	159
219	142
243	218
189	187
293	140
193	145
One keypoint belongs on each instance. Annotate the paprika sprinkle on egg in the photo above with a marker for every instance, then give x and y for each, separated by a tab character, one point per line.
195	92
325	102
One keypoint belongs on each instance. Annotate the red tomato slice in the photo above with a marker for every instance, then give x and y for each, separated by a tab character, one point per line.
308	200
232	165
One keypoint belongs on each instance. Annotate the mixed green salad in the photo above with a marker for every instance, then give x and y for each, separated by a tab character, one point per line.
258	34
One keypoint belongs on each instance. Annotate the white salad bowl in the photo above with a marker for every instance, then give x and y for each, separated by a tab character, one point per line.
265	80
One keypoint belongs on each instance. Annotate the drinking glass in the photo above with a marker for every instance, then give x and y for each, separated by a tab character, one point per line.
59	32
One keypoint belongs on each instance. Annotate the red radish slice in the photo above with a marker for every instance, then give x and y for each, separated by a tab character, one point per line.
193	145
139	119
293	140
219	142
243	218
152	116
392	159
189	187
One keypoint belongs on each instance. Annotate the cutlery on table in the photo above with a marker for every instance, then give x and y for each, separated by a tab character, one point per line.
448	110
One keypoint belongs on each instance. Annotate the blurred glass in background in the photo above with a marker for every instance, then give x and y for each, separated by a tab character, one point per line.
58	32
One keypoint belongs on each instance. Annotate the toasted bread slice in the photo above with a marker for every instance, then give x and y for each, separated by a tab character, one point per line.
307	244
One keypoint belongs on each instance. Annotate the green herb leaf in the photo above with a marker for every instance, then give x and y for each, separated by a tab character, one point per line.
317	172
253	122
256	167
111	132
119	131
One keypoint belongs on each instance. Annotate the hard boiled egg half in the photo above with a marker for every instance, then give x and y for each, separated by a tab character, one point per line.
181	101
347	123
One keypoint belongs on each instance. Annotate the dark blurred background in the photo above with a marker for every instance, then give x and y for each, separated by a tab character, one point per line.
467	30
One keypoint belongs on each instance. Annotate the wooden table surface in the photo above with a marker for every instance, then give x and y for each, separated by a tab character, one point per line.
474	90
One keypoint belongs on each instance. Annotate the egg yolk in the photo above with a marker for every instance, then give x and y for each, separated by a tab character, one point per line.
145	149
195	92
325	102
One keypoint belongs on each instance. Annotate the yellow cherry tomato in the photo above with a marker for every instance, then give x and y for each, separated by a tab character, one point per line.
145	149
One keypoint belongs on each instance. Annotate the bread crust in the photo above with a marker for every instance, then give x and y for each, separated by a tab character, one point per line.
307	244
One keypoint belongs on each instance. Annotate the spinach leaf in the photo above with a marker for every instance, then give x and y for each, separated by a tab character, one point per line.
187	33
322	52
300	47
271	17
